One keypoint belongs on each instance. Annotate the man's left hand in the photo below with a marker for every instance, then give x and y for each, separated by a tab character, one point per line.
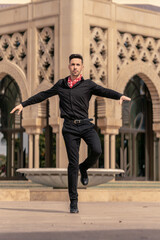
124	98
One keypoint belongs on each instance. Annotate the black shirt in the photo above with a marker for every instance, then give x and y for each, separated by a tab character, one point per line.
74	102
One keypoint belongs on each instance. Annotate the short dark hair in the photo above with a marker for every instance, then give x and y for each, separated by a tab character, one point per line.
75	56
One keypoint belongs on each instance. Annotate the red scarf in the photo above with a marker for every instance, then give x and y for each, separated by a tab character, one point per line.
71	83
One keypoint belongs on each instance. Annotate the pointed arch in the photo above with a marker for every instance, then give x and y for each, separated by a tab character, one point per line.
8	68
151	79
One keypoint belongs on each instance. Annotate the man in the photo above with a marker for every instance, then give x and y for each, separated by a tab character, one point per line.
75	93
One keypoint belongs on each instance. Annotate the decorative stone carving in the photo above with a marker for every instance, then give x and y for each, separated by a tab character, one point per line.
17	117
98	54
42	109
46	54
131	48
13	48
101	107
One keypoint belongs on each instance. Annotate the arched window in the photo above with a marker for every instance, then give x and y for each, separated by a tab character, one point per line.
135	142
12	148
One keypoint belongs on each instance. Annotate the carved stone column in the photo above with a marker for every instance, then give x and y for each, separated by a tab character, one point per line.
61	155
159	159
109	151
33	128
106	151
33	151
156	129
109	127
30	161
36	151
113	152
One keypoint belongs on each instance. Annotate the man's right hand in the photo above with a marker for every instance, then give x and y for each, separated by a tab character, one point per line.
19	108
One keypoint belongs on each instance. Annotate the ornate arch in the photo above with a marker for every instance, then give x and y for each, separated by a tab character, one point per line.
15	72
151	79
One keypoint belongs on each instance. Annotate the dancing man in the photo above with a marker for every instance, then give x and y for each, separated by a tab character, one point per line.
75	93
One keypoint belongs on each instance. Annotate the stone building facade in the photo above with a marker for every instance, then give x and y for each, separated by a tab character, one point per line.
121	50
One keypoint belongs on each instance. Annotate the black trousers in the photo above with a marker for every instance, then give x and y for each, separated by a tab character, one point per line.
73	133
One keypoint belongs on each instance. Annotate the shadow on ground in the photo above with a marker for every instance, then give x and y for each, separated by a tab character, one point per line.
34	210
133	234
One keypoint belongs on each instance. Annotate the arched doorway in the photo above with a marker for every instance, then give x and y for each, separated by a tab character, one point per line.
134	149
13	150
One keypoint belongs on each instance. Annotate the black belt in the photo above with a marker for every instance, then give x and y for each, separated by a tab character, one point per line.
77	121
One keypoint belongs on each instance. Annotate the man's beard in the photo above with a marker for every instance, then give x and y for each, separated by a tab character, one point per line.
75	73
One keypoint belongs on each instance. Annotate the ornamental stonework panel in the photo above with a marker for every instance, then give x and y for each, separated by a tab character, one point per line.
101	107
98	54
45	56
13	48
132	47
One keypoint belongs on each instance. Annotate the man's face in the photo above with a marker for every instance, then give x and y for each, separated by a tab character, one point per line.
75	67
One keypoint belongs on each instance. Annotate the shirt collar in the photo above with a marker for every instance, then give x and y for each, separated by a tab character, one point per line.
76	79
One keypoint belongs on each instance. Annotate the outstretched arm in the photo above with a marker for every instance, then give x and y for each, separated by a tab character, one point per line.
19	108
104	92
124	98
108	93
39	97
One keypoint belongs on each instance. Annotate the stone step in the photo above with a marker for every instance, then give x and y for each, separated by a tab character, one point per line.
112	184
110	192
130	184
19	184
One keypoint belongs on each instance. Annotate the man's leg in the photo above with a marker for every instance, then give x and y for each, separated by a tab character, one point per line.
92	140
72	143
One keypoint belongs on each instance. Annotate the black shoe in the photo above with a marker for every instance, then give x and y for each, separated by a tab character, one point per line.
84	175
74	207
